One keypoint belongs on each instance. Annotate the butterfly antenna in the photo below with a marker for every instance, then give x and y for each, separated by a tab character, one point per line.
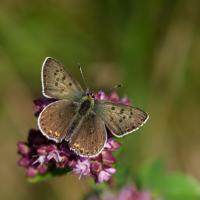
80	68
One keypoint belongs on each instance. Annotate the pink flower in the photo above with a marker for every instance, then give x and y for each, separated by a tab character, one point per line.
31	171
96	167
40	155
112	145
126	193
131	193
24	162
106	174
22	148
107	158
82	168
40	160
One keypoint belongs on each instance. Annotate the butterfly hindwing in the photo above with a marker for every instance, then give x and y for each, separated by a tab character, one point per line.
120	119
55	118
57	83
90	138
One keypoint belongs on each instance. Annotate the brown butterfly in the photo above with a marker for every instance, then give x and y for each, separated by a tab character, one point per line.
78	117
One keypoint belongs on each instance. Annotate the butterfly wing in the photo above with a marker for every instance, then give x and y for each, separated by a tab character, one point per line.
57	83
54	120
120	119
90	138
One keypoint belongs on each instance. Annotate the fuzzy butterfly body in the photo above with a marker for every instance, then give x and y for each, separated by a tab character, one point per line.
78	117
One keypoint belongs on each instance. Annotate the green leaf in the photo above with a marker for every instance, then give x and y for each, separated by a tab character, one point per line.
172	186
48	175
40	177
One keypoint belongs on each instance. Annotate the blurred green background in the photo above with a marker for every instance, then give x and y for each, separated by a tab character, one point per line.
151	47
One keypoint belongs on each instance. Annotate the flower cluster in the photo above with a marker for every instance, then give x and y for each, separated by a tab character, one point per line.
129	192
40	155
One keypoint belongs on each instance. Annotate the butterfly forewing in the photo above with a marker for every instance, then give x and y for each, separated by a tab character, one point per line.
57	83
54	120
120	119
90	138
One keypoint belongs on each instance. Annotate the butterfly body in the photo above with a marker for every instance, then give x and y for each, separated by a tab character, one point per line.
78	117
84	108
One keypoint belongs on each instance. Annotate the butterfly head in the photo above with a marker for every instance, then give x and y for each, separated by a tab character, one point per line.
90	95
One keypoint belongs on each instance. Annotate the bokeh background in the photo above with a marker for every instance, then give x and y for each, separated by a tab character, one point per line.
151	47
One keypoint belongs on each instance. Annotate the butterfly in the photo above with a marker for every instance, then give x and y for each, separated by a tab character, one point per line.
77	117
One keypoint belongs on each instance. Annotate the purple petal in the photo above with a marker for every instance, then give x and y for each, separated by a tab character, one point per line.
96	167
126	101
54	155
41	160
112	145
46	149
107	158
42	169
103	176
31	171
101	95
82	168
110	170
24	162
22	148
114	97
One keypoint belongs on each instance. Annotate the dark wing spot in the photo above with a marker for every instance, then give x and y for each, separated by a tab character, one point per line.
120	120
70	84
124	117
56	83
113	108
55	73
131	113
122	110
64	77
57	70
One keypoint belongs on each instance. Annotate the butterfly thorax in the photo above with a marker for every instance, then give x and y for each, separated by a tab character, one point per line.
86	105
